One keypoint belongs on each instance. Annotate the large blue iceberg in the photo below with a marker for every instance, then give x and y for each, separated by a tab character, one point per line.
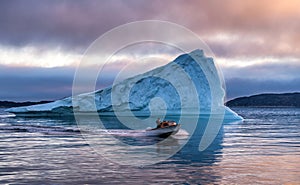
188	85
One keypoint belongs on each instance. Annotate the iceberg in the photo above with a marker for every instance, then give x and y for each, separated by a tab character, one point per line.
188	84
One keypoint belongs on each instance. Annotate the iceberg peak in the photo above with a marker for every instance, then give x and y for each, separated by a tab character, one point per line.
197	53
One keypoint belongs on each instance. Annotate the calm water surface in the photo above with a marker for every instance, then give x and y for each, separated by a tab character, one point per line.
263	149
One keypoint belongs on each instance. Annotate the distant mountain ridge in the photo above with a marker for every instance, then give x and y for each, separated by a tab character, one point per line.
259	100
8	104
267	100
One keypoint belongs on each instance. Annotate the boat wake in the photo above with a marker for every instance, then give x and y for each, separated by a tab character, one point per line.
38	128
134	133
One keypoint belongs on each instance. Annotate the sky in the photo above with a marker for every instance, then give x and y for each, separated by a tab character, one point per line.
256	43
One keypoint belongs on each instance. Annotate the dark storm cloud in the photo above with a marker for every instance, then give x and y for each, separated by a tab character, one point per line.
237	87
23	84
282	69
263	77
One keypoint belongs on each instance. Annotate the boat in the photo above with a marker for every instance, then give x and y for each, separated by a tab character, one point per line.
165	129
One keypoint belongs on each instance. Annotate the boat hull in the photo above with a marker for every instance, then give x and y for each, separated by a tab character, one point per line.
163	132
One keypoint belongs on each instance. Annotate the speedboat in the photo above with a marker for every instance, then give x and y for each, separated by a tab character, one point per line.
165	129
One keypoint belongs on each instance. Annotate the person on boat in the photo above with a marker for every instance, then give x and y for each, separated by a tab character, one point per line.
158	123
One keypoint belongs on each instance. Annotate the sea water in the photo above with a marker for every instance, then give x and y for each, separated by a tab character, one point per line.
262	149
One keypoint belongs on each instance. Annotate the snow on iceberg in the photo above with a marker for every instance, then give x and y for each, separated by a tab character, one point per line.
189	84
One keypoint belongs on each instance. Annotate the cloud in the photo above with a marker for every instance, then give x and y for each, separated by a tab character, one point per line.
37	57
69	24
22	84
264	28
260	68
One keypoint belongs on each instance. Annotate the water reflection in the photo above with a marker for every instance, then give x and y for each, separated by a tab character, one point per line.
184	148
58	156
